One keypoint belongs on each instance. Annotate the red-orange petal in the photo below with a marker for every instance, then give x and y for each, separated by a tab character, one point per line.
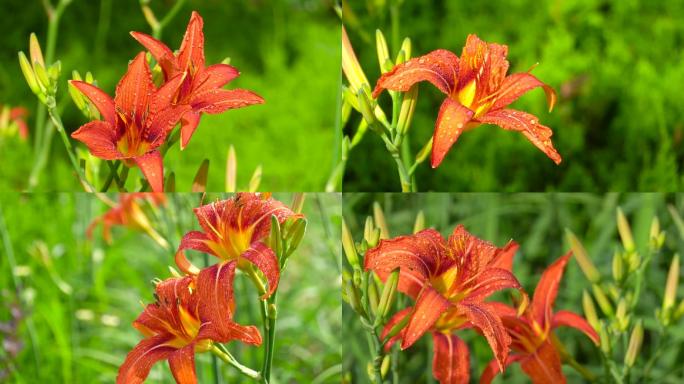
191	51
439	67
99	98
134	90
528	125
182	365
451	121
484	317
544	365
195	240
162	53
396	319
152	168
417	257
100	138
214	76
142	357
163	122
220	100
430	305
517	85
490	281
570	319
546	291
504	256
189	123
217	304
451	360
163	97
266	260
492	369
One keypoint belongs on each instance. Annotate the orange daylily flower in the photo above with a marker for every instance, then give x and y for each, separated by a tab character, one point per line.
478	92
184	321
235	230
202	87
135	123
16	116
534	344
449	280
128	213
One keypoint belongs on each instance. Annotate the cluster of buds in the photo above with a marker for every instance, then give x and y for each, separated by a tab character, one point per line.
358	96
83	103
617	294
368	296
42	78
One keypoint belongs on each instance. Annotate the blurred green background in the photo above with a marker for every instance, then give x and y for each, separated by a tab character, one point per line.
78	302
618	69
287	51
537	222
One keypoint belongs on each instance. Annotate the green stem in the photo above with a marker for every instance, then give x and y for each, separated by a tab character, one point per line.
404	177
43	130
228	358
57	121
156	32
113	174
270	336
379	356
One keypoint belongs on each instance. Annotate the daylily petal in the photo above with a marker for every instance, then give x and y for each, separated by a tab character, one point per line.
485	63
163	122
191	51
160	52
492	369
485	319
266	260
214	76
544	365
189	123
439	67
430	305
546	291
220	100
570	319
192	240
182	364
471	254
417	256
451	361
493	280
504	256
100	138
152	168
517	85
215	286
396	319
528	125
99	98
163	97
451	121
134	90
140	359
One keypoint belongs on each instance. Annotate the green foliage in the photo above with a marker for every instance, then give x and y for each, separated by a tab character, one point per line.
617	67
287	51
83	335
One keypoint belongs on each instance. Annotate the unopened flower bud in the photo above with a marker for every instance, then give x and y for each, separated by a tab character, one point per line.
387	296
383	52
349	247
404	51
618	267
671	287
380	222
582	258
419	224
625	231
602	300
590	310
408	106
634	347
